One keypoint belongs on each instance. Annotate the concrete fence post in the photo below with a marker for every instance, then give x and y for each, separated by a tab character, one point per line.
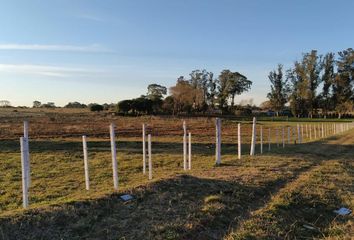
150	157
144	149
114	156
218	142
261	139
239	140
23	143
269	139
277	136
184	145
189	150
323	132
28	167
253	141
86	166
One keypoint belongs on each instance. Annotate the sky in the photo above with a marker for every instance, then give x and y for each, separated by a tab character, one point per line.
107	50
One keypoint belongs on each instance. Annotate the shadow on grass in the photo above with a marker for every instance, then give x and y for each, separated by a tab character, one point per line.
181	208
134	147
206	149
185	207
305	210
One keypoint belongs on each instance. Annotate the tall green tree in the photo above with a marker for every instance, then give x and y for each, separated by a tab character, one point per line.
343	82
279	92
156	91
200	80
305	77
327	78
231	84
297	99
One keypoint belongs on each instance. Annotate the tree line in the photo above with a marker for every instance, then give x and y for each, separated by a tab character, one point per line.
316	85
201	92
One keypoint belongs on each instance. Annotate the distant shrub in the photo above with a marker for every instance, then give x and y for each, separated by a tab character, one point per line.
96	107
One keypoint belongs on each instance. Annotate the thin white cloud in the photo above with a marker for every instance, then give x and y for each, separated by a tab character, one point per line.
46	70
43	47
90	17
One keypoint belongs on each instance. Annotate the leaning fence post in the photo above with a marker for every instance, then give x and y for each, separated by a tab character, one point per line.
218	141
86	168
239	140
184	145
253	143
114	157
189	150
144	149
150	160
23	143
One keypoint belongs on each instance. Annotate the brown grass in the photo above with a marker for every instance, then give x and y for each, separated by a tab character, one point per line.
270	196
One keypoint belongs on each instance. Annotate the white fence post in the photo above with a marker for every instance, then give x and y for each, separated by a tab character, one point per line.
323	133
314	130
288	135
23	142
298	134
184	145
310	133
283	137
277	136
253	143
189	150
28	167
239	140
114	157
269	139
150	160
261	139
302	132
86	167
144	149
218	142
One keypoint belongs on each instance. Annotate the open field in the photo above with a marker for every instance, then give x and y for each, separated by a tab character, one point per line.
269	196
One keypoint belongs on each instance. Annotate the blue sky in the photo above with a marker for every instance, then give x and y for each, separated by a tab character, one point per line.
106	51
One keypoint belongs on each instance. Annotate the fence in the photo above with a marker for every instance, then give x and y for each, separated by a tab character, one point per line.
284	135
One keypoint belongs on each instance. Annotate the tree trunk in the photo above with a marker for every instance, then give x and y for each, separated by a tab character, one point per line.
233	100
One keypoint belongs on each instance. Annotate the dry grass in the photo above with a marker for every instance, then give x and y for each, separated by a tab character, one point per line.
269	196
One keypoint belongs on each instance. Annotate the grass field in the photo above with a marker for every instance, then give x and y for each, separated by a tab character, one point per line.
287	193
